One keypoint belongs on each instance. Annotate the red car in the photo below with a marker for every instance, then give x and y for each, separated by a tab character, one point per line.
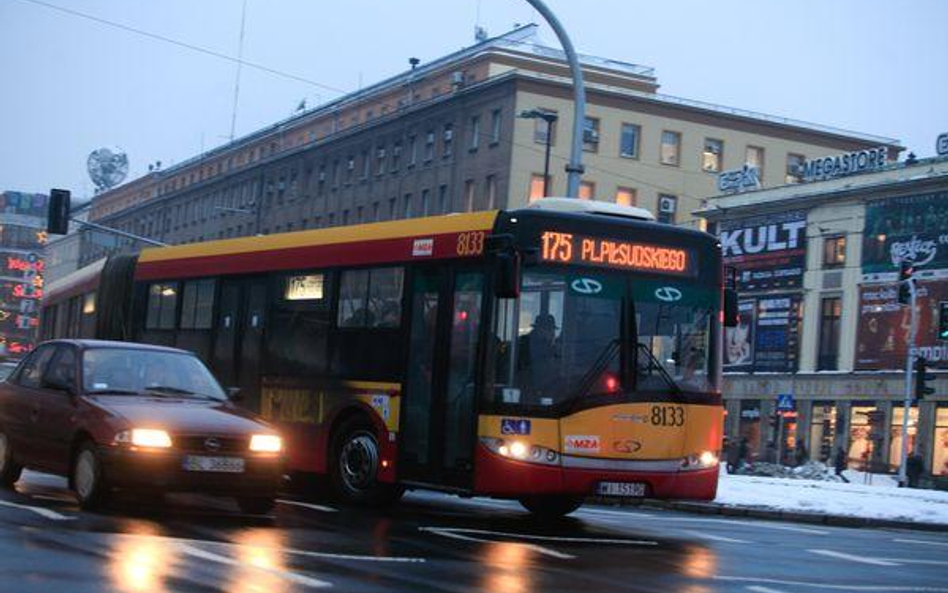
133	416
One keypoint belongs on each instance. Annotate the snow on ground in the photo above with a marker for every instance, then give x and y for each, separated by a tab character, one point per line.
856	499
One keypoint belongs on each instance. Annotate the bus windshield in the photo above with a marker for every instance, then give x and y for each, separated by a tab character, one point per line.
568	334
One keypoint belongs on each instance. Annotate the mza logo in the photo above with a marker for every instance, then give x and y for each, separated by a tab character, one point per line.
581	444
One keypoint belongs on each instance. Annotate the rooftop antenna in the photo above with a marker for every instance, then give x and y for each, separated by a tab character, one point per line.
240	61
414	62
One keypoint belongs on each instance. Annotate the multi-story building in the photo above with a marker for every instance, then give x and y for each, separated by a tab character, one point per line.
832	249
22	237
446	136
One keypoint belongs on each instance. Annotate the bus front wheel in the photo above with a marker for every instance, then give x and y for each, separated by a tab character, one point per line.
551	507
355	466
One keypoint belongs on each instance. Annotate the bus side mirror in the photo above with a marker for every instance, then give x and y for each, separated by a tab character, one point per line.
507	274
730	307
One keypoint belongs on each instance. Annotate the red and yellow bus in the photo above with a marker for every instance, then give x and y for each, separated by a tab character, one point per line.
548	354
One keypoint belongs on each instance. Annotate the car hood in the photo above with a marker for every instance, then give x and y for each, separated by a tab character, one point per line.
183	416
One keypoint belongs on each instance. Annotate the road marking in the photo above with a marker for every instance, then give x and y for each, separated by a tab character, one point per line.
42	512
716	538
831	587
451	534
851	558
306	505
757	589
921	541
286	575
914	561
477	535
53	498
763	524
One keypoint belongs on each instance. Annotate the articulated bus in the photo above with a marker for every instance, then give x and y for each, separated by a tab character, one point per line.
548	354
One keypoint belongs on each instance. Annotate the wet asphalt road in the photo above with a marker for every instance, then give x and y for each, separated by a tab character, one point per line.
432	542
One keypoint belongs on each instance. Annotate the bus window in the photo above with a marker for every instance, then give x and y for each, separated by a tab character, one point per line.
371	298
162	305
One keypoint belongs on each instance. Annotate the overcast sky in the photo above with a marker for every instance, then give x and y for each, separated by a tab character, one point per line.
69	84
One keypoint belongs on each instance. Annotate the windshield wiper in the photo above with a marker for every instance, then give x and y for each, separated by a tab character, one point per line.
168	390
113	392
654	363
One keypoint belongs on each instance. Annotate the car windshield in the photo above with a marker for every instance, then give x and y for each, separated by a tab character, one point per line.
121	371
563	339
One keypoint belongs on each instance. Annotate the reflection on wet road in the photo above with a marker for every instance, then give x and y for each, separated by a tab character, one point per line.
435	542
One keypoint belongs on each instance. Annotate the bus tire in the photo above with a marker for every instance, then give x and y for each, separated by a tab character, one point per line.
354	466
551	507
10	470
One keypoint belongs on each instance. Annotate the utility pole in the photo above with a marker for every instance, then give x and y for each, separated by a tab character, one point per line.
906	279
574	170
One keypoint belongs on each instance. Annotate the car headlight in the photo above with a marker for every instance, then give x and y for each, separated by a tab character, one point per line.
150	438
266	443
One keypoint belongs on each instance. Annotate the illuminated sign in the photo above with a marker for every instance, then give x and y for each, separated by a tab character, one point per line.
304	288
843	164
567	248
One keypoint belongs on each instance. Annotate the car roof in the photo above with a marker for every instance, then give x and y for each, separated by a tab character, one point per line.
87	344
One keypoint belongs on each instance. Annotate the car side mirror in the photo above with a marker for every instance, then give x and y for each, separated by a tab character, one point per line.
234	395
731	312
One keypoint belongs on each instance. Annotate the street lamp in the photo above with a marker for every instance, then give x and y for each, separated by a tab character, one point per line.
550	119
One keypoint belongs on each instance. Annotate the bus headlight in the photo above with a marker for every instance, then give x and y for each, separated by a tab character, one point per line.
702	460
521	451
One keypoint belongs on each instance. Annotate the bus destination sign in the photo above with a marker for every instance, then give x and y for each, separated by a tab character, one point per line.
567	248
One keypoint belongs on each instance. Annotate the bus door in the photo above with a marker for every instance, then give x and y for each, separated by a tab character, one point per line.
239	337
439	422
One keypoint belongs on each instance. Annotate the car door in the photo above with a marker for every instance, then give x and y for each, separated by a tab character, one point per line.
16	406
54	409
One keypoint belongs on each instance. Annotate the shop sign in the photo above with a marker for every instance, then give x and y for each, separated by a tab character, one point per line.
941	145
768	252
913	228
882	333
766	336
860	161
738	180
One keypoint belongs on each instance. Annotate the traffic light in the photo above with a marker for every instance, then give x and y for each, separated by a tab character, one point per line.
922	379
57	220
943	320
906	269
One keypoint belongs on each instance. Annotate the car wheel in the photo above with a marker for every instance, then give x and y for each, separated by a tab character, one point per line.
551	507
256	505
88	479
355	466
9	470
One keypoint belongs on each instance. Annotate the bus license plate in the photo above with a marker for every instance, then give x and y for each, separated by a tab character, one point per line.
226	465
625	489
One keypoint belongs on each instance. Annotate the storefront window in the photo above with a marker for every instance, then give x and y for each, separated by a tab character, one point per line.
822	429
750	428
787	441
940	443
860	437
895	432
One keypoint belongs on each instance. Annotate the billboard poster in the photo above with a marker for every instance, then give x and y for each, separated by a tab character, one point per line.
906	227
768	252
883	329
766	337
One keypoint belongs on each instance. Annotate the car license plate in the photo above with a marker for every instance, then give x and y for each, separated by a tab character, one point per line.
202	463
626	489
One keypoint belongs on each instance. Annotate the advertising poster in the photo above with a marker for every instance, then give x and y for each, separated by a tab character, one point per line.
906	227
768	252
884	325
766	338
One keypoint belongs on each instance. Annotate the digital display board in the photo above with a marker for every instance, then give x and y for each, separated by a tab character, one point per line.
567	248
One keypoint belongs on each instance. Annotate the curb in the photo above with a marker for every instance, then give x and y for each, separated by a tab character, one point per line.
710	508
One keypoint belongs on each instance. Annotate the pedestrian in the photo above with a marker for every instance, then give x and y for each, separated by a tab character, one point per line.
914	466
742	450
730	447
800	454
839	462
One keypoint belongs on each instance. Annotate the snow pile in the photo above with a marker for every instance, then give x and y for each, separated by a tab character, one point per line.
833	498
810	471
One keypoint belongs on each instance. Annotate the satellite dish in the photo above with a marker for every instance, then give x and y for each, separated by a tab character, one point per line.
107	167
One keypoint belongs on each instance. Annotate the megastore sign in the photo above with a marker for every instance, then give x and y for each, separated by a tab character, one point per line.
839	165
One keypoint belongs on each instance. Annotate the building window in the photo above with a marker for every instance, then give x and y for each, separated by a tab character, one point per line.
391	208
540	128
667	207
491	192
591	134
425	198
443	199
365	165
495	126
448	141
350	170
831	309
412	150
671	148
469	195
587	190
834	251
629	141
375	212
795	163
407	205
713	155
536	187
626	196
475	132
940	442
429	145
396	155
754	157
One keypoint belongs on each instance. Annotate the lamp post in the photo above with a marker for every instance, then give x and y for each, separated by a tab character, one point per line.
550	119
